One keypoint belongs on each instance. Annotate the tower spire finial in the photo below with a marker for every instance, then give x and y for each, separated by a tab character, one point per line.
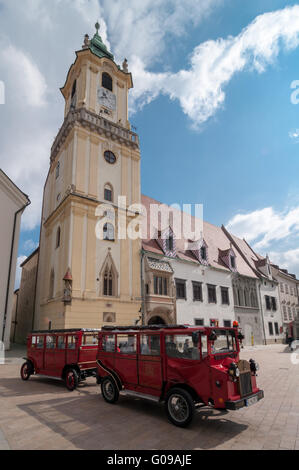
97	26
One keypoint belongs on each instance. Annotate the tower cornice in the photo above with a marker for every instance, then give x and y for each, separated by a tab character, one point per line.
97	124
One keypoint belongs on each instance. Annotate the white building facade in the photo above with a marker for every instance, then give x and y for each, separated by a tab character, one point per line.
12	204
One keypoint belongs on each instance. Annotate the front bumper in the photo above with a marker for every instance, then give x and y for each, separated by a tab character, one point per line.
236	405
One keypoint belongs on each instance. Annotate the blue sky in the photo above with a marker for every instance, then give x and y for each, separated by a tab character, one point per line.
235	149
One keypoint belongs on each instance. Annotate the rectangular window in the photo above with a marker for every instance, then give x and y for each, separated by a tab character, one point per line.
270	328
281	287
285	313
51	342
276	328
160	285
199	322
126	344
181	347
108	343
180	289
150	345
287	289
225	342
227	323
108	195
90	340
224	296
169	243
212	294
273	303
233	262
203	253
197	291
268	302
71	342
61	342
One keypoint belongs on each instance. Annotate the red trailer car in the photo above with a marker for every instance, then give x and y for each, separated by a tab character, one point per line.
69	355
184	367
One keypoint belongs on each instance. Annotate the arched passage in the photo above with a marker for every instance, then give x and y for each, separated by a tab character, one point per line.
156	321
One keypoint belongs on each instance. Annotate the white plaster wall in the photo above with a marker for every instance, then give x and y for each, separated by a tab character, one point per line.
271	288
188	310
9	205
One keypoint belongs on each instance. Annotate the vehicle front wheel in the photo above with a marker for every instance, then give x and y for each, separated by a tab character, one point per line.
179	407
71	379
109	390
26	371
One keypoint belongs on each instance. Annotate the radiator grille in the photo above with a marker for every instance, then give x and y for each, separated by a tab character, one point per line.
245	384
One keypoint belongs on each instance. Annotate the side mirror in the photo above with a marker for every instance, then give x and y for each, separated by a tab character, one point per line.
212	336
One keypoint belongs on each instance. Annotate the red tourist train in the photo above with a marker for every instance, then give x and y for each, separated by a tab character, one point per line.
69	355
184	367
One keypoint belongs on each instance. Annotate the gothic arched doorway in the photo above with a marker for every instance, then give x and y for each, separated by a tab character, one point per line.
156	321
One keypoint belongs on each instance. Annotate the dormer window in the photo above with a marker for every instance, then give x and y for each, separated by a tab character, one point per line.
166	240
169	243
203	253
233	261
107	81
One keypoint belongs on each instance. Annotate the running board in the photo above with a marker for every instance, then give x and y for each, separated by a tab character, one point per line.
140	395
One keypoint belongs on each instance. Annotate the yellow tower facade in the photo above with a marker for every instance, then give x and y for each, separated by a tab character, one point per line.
89	273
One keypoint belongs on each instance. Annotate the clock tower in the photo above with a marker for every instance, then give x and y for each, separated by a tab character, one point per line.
86	280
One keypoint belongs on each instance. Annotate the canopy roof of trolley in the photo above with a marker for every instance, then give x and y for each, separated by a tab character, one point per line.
69	330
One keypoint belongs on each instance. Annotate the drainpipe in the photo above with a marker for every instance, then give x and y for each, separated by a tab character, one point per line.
16	318
10	265
142	289
263	320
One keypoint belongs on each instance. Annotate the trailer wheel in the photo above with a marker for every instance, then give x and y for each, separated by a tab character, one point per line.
109	390
71	379
26	371
179	407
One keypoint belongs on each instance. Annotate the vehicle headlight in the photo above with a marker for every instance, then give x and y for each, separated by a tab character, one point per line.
233	370
254	367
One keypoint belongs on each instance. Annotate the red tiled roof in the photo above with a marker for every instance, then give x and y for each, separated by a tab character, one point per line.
215	238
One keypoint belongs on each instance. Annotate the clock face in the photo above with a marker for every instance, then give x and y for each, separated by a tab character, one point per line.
106	98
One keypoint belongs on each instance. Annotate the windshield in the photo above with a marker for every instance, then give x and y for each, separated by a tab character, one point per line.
225	342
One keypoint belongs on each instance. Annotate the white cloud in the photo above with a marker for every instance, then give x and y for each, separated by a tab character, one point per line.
200	89
24	76
287	260
20	260
294	135
34	66
265	226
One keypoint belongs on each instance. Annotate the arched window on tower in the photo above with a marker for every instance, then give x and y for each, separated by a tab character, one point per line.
51	287
108	282
73	95
58	237
107	81
108	232
108	193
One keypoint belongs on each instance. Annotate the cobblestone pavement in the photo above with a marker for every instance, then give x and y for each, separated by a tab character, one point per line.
42	414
